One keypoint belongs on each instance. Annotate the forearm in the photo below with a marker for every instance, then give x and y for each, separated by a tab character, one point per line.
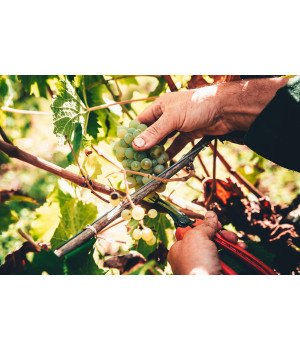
242	101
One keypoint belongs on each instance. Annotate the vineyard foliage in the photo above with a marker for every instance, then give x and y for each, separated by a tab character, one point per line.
39	211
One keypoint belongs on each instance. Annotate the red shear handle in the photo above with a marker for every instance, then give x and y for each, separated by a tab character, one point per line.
180	231
244	256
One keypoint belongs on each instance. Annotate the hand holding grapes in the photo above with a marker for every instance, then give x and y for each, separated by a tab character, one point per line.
212	110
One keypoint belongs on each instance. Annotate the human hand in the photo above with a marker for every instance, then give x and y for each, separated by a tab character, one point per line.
196	253
213	110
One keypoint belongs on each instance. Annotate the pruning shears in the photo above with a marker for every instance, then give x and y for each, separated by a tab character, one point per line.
184	223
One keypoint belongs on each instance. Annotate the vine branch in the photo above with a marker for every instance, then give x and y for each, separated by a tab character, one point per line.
170	83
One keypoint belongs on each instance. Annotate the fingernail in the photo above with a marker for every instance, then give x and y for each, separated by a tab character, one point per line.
210	214
139	142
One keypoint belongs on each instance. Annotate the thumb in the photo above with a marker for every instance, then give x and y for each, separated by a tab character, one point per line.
210	225
153	134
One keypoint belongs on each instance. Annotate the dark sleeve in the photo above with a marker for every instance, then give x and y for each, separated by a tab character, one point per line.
275	134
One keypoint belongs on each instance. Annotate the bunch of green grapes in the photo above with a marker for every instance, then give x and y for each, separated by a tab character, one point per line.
141	232
153	161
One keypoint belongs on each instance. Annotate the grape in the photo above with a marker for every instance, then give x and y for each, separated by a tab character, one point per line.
129	161
128	169
137	234
151	241
154	162
116	145
128	138
121	132
124	163
161	188
120	159
146	180
146	163
158	169
152	213
134	124
142	127
131	130
139	156
123	144
156	151
147	234
136	133
131	181
136	166
126	214
129	153
138	213
139	179
120	152
163	158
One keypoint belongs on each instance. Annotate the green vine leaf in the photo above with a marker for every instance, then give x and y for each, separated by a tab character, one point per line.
39	81
68	110
75	215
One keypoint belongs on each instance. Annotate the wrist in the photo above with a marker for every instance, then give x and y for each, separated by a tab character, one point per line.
240	102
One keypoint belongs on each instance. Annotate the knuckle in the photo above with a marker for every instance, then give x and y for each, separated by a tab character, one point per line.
157	108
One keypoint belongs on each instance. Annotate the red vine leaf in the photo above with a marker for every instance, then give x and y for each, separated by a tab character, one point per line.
224	190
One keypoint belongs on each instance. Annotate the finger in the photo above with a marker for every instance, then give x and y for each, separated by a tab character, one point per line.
153	134
206	230
229	236
242	245
232	238
178	144
151	113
